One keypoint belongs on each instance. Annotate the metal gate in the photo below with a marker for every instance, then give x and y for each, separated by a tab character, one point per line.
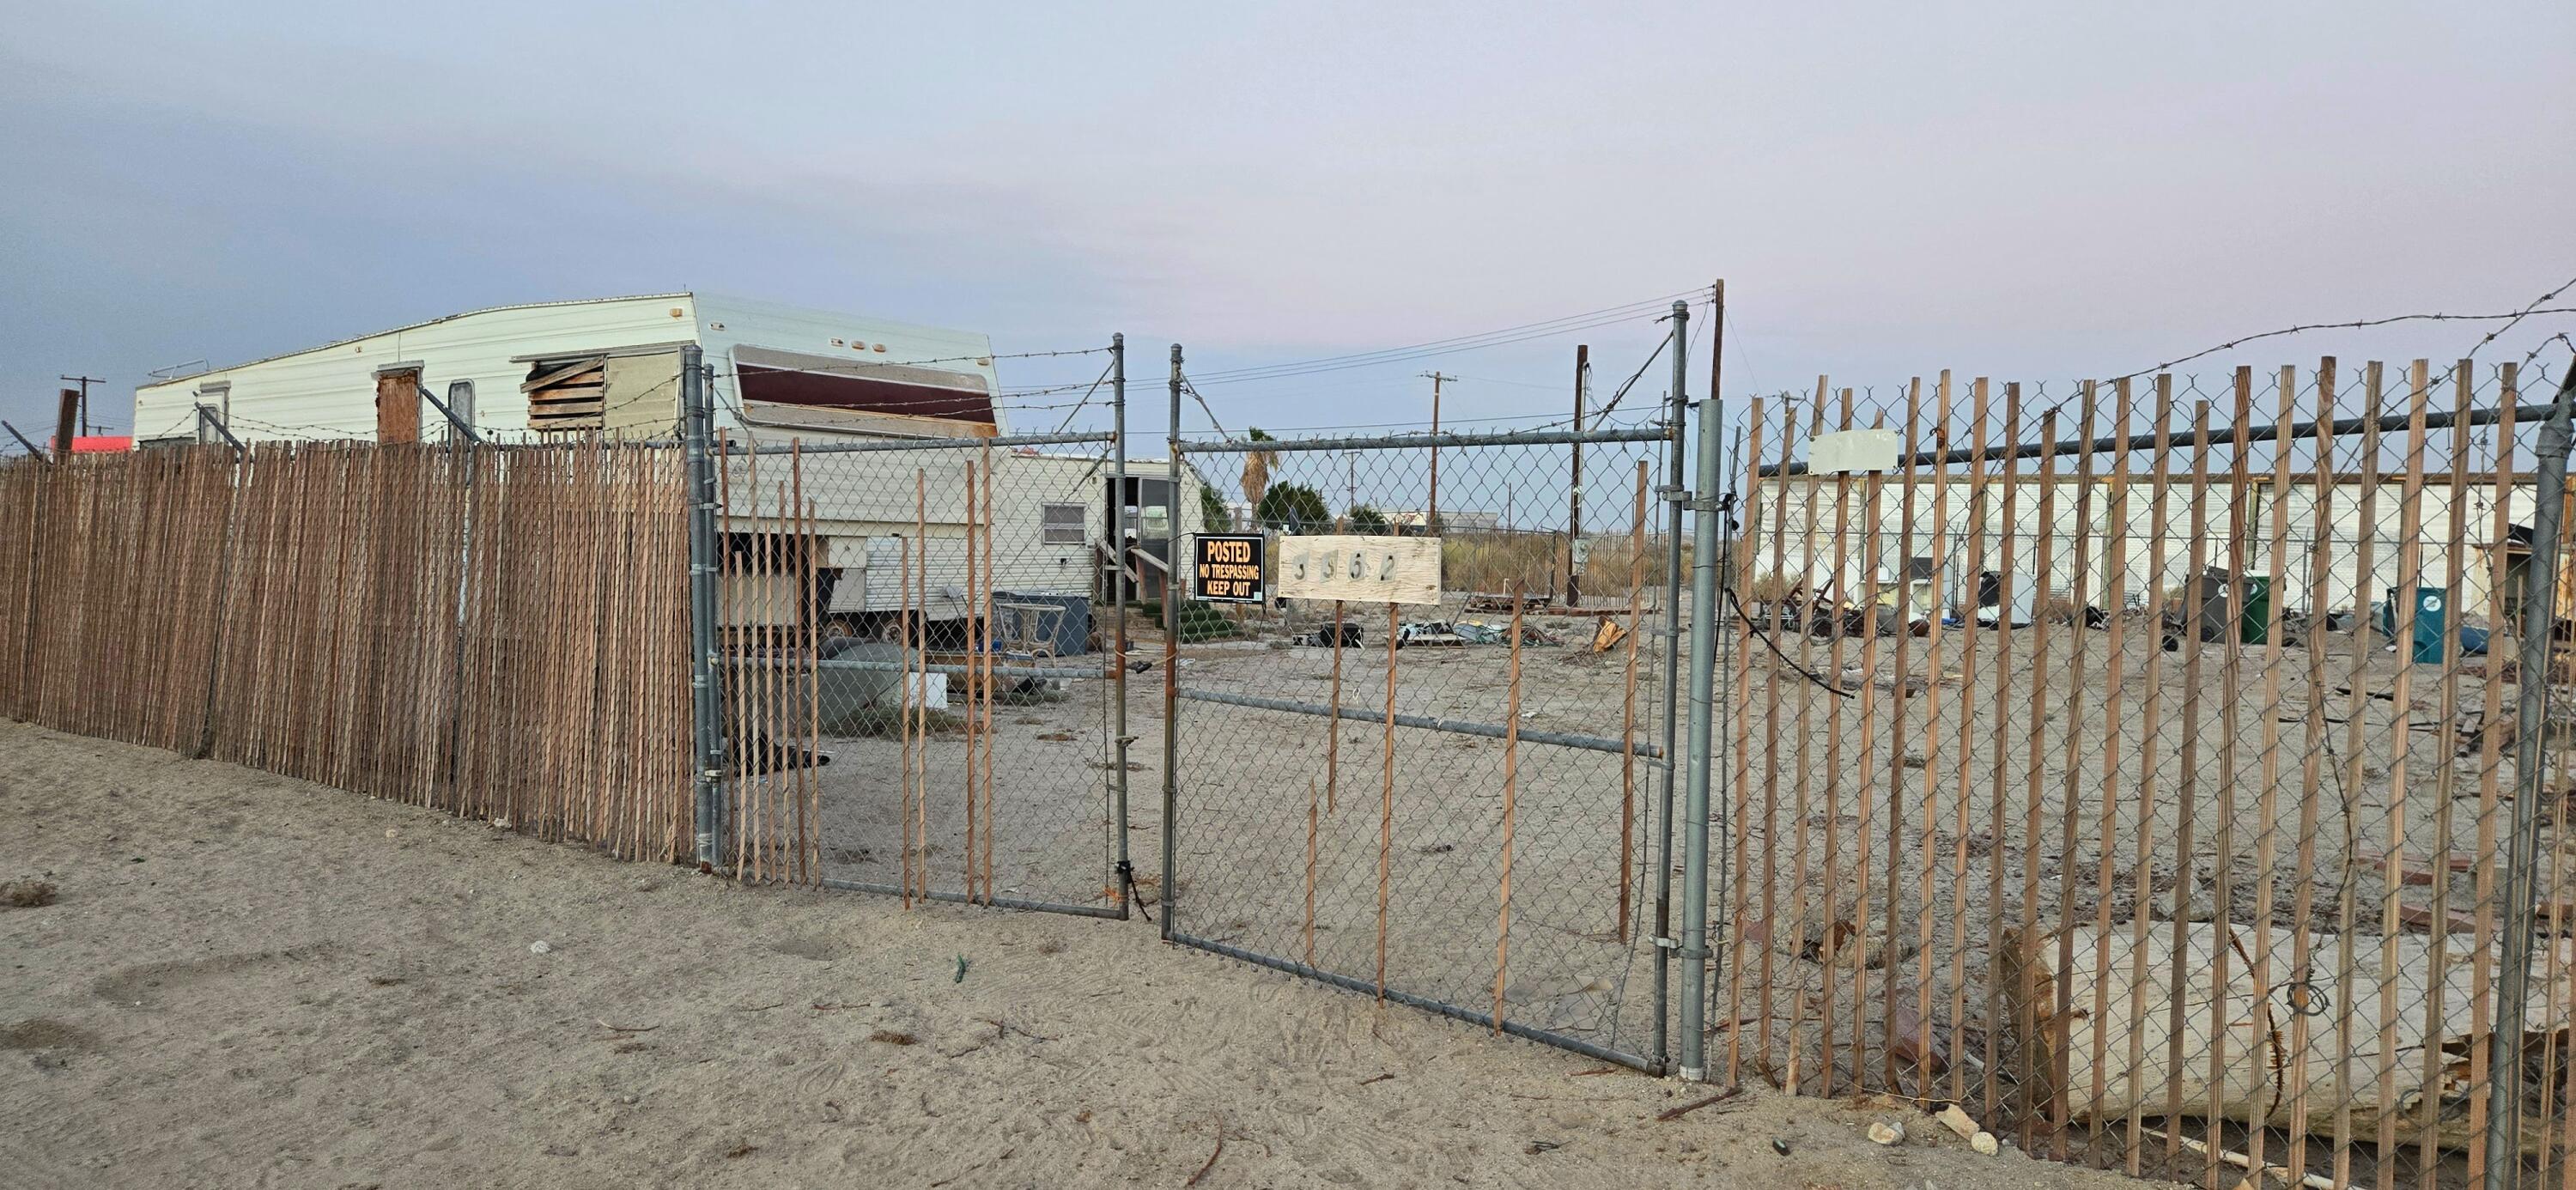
910	663
1462	805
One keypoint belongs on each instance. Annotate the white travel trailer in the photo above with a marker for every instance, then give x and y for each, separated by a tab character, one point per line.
564	370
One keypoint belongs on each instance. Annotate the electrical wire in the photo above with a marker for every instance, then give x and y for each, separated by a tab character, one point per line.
1607	316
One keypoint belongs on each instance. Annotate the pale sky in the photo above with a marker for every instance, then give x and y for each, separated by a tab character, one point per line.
2033	192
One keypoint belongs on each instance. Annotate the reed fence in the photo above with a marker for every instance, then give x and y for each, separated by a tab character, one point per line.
500	634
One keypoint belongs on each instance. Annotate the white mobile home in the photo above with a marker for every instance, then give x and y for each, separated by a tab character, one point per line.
1803	548
781	374
605	365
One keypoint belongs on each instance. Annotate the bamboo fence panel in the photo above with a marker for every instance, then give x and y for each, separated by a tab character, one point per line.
496	634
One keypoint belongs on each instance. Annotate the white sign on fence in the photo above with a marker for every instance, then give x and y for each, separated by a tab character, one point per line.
1845	451
1360	568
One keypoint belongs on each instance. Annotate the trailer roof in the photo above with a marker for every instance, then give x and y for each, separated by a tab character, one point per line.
395	330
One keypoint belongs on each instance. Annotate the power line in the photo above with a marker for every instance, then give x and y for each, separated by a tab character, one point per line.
1440	347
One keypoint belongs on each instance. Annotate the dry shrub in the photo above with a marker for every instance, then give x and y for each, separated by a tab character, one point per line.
1503	562
1768	588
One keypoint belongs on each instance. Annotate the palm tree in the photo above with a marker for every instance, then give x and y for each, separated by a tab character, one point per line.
1257	465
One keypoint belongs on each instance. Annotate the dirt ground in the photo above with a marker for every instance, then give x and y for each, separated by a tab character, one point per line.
250	981
1244	786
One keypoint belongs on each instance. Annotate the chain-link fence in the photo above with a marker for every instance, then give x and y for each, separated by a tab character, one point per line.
2169	772
1454	800
2135	766
922	639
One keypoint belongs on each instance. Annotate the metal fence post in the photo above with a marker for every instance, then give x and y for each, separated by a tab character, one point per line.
709	731
1118	564
1673	493
2539	623
1172	651
1703	668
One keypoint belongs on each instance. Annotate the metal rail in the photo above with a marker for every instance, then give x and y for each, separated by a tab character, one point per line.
2122	443
1491	731
1420	441
1479	1019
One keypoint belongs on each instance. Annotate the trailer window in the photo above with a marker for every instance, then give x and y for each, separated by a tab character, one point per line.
869	395
1062	525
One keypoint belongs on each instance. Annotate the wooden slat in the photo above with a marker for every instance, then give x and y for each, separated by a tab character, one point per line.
572	373
1969	674
1799	882
1831	945
2350	788
1997	828
2107	842
2303	1001
1739	922
2490	755
2410	556
1865	800
2070	811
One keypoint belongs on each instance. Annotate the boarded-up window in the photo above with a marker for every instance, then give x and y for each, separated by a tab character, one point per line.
1062	525
631	394
567	396
398	405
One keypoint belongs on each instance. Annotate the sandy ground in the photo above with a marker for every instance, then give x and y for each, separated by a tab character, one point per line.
1246	779
249	981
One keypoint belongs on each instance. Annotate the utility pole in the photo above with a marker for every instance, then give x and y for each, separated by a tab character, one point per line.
1431	512
84	382
1574	513
64	422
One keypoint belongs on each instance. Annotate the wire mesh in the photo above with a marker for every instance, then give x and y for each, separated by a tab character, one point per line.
1453	803
2131	774
920	644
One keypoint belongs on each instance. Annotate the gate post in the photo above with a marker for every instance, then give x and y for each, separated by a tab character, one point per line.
1703	667
1673	493
1118	563
1172	654
2539	623
708	731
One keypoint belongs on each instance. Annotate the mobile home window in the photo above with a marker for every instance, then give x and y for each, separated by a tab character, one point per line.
1062	524
215	406
460	401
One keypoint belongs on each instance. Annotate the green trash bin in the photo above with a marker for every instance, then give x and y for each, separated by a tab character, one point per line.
2432	622
2255	625
2432	615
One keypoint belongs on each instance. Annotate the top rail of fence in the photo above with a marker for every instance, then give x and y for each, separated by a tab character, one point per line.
1094	438
1411	441
2528	414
